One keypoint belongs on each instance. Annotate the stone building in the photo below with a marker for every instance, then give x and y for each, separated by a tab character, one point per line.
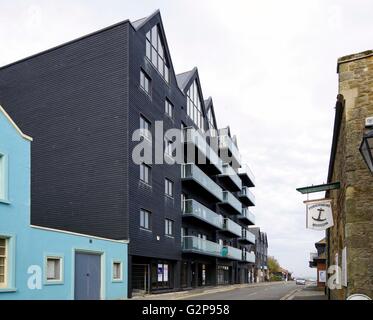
350	240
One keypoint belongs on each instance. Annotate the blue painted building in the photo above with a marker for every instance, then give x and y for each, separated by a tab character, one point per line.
43	263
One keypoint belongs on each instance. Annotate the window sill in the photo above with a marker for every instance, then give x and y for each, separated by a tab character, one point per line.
8	290
4	201
117	280
147	230
52	283
145	184
168	236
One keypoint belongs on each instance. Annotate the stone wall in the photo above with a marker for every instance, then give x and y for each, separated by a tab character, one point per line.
353	203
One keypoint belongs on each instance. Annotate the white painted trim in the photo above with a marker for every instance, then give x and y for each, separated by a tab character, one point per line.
78	234
7	116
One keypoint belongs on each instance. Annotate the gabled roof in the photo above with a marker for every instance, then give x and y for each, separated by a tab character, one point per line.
143	22
209	105
137	24
184	78
7	116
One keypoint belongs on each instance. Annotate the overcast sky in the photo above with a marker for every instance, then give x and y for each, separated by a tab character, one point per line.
270	67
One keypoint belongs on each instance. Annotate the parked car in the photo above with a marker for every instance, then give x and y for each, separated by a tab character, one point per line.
300	281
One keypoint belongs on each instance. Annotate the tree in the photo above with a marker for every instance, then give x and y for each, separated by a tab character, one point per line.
273	265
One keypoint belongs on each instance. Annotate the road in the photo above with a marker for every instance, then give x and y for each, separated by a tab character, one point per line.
274	291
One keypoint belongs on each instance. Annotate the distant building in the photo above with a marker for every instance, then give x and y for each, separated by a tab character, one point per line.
318	260
349	241
259	271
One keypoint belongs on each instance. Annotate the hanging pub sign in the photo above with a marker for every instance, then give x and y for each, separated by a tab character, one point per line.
319	214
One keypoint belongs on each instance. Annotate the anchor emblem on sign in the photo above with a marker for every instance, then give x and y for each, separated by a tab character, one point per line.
320	210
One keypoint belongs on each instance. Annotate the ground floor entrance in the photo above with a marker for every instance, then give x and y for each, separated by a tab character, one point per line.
152	275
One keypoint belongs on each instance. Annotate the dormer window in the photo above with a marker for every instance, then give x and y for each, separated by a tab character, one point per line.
155	52
194	107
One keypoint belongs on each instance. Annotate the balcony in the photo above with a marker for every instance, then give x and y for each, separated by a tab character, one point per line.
192	244
246	176
247	216
230	178
229	149
231	227
248	256
247	237
193	137
231	203
232	253
247	197
190	173
194	209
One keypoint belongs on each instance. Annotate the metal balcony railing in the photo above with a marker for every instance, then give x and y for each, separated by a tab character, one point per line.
190	171
229	198
225	142
246	193
232	253
247	214
245	170
191	135
232	227
194	208
198	245
229	172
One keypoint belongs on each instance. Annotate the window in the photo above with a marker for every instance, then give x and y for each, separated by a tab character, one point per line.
3	181
54	269
169	187
145	127
145	173
145	219
169	227
155	52
145	82
3	262
169	108
168	147
117	270
194	107
183	202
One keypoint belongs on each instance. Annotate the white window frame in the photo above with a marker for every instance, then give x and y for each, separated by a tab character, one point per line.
145	132
61	271
169	108
145	82
6	263
120	279
145	178
3	178
169	225
145	213
169	187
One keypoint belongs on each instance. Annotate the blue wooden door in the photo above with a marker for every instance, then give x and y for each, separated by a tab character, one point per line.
87	276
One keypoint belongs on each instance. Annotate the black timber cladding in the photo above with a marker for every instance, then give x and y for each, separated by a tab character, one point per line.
73	101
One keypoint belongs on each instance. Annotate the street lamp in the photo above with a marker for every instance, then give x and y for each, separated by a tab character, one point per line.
366	149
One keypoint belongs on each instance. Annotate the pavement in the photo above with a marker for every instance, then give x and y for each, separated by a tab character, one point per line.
309	292
254	291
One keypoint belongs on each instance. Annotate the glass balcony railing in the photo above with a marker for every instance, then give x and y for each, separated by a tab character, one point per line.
247	236
232	227
232	253
225	142
246	193
247	214
248	256
194	208
228	171
201	246
229	198
190	171
245	170
191	135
